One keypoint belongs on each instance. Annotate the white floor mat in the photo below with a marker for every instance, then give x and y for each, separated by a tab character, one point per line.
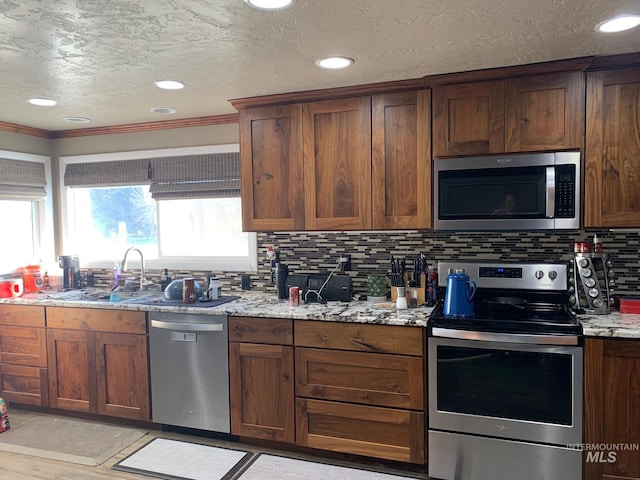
272	467
175	459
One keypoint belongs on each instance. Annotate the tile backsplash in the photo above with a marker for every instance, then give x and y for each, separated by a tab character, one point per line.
318	252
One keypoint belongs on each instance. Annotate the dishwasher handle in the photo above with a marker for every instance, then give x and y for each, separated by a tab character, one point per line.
190	327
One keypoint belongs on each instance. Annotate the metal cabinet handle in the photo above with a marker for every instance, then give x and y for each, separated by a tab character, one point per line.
190	327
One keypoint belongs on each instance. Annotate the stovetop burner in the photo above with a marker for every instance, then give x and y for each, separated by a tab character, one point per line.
548	320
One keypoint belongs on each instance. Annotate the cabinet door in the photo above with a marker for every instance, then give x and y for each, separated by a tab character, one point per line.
337	164
362	430
401	160
23	346
468	118
612	173
356	377
71	359
122	375
544	112
612	407
271	168
26	385
360	337
22	315
261	385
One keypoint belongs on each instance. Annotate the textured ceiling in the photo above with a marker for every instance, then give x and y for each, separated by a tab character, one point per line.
99	58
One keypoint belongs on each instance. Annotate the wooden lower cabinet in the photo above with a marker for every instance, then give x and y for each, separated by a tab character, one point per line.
122	375
360	389
72	384
103	372
612	408
26	385
357	377
23	355
261	378
387	433
262	391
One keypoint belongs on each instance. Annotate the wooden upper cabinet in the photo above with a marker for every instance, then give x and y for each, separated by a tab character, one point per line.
524	114
544	112
337	164
468	118
272	169
612	150
401	160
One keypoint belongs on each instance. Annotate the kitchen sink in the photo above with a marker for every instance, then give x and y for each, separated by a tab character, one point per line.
144	297
103	295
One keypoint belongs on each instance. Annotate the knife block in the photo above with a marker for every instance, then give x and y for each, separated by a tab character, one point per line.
422	290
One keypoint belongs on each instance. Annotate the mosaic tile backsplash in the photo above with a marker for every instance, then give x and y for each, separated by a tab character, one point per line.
318	252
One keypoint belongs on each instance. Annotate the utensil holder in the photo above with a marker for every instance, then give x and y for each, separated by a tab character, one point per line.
421	290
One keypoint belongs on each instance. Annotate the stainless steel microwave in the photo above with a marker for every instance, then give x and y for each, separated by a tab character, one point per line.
530	191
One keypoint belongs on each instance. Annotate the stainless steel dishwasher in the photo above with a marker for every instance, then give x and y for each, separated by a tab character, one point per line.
190	370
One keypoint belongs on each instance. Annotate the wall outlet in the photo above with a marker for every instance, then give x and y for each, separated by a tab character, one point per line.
246	282
345	262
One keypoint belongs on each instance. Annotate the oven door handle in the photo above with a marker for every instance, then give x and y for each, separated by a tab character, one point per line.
544	339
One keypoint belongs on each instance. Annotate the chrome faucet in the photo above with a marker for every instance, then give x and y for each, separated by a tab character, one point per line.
143	278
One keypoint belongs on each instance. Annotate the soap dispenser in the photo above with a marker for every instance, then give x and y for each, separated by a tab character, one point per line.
165	279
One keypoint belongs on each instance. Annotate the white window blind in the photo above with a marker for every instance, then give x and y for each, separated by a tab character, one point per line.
22	180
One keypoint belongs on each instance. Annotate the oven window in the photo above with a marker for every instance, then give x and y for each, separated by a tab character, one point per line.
505	384
492	193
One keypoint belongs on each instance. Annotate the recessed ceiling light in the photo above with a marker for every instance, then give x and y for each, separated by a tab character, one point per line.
334	62
169	85
269	4
77	119
619	24
42	102
164	110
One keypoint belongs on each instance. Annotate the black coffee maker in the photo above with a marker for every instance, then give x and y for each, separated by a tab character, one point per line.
279	274
71	278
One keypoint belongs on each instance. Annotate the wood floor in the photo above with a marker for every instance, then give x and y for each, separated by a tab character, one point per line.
25	467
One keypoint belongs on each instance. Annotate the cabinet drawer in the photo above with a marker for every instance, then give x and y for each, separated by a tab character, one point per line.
26	385
274	331
23	346
362	430
23	315
97	320
357	377
360	337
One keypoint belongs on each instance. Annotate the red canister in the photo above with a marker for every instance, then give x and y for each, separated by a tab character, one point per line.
294	296
32	279
581	247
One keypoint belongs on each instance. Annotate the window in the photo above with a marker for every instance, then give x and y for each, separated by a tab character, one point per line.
180	221
27	213
21	241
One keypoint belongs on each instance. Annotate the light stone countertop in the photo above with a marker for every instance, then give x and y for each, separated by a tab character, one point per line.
614	324
250	304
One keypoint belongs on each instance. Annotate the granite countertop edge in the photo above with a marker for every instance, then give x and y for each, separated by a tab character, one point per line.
262	305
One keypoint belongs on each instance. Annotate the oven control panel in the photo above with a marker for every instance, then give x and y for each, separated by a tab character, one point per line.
525	276
500	272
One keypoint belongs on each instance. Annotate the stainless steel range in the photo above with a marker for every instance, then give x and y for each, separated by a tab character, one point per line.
505	387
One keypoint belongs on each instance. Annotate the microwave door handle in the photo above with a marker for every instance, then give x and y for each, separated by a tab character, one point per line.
551	191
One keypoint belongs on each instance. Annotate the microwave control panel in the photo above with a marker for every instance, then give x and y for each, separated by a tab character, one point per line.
565	191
